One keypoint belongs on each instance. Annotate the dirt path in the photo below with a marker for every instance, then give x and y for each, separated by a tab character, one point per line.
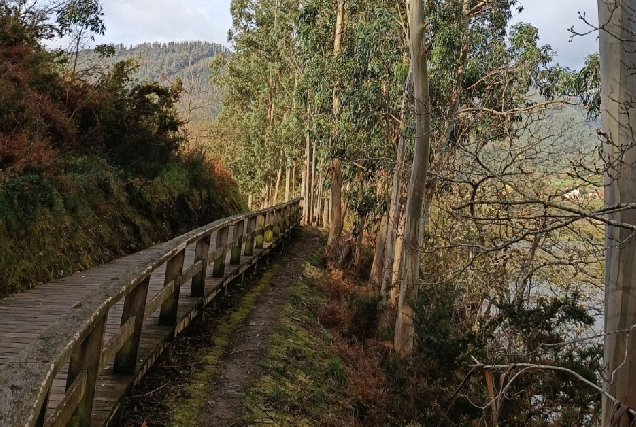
217	360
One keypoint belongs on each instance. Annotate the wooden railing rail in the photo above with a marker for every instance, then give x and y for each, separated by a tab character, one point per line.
77	338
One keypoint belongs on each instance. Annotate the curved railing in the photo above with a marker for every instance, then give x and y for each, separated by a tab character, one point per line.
77	339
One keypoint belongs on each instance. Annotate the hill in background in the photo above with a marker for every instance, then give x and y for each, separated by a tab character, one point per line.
164	63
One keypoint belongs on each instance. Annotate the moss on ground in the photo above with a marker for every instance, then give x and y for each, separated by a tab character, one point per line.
185	409
305	376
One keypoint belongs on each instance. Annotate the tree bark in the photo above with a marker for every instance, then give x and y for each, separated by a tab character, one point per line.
335	227
278	177
312	190
287	182
394	271
617	41
378	257
410	266
336	224
396	190
307	174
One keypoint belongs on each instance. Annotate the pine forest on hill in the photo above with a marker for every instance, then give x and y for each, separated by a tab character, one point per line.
166	62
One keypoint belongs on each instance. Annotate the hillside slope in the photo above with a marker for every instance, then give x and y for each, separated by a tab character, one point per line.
164	63
93	165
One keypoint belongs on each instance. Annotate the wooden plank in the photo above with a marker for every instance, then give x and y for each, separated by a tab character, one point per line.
62	414
197	287
117	341
221	244
260	231
194	271
237	230
85	360
159	299
168	314
133	310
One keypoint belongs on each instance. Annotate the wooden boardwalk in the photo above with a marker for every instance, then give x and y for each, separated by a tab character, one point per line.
106	326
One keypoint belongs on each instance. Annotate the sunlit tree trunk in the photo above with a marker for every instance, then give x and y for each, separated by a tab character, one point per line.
393	273
312	187
395	207
307	174
287	182
335	228
410	267
278	177
617	21
293	188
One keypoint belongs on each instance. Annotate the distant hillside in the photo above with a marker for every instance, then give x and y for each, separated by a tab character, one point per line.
164	62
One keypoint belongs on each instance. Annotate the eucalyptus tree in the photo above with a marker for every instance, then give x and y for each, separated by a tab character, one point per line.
458	36
410	270
260	116
353	51
617	64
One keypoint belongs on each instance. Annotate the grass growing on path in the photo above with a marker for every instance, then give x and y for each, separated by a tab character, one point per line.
313	376
196	393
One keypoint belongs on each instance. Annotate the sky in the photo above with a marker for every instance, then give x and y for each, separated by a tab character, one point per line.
132	22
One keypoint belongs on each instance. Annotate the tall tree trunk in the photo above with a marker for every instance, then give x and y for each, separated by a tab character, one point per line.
336	224
395	208
359	232
307	174
249	201
325	213
319	200
293	188
618	113
287	182
378	257
312	189
394	278
410	265
278	177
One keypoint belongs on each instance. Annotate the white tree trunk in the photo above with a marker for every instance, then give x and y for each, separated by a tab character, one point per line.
410	265
336	224
307	175
287	182
375	277
395	208
617	21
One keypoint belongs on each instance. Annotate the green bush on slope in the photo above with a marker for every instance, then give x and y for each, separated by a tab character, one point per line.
92	167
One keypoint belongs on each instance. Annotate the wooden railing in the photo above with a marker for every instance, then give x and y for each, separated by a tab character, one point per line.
77	341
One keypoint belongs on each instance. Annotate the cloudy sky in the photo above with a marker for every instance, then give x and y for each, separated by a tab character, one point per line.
136	21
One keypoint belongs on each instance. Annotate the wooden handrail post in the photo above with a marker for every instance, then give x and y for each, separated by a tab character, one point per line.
277	224
268	227
238	236
197	288
249	242
86	357
286	222
134	306
221	244
260	231
174	268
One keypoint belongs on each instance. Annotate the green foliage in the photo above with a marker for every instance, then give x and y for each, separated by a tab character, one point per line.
135	123
78	15
90	168
436	385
